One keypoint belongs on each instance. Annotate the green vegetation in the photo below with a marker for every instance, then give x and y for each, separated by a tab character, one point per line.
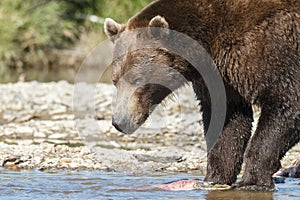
8	142
120	10
113	147
72	145
30	29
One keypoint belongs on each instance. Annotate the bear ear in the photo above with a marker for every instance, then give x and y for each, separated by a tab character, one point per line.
159	27
111	27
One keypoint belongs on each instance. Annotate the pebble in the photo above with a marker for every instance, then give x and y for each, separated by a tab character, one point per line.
9	131
25	130
40	129
58	136
58	110
39	135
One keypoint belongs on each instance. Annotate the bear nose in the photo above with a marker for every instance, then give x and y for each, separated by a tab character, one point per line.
119	126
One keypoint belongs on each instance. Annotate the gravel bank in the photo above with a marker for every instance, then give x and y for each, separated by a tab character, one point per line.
38	130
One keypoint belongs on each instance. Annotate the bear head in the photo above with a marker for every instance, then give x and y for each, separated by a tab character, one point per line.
143	70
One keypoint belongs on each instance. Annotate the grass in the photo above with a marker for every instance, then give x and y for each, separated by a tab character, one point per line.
30	29
72	145
121	10
113	147
8	143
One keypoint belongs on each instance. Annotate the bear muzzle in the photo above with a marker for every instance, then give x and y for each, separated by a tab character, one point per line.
123	126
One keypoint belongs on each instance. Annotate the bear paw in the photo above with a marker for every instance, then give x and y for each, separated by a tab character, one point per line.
251	187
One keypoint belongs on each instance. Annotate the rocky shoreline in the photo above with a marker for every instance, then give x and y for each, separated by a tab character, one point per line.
38	130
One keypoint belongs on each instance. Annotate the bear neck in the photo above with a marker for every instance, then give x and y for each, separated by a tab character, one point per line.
211	22
179	14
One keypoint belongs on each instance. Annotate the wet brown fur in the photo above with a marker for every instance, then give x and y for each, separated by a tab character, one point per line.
256	47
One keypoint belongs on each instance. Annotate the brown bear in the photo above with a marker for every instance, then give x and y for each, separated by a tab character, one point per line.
255	45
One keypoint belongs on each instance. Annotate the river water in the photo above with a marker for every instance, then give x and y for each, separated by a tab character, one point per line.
35	184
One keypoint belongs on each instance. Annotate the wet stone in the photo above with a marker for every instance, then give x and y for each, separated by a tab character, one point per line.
39	135
58	136
25	130
40	129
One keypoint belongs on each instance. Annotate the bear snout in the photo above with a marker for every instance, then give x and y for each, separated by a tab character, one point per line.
120	125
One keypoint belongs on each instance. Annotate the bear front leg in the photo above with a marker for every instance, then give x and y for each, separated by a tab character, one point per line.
275	135
226	156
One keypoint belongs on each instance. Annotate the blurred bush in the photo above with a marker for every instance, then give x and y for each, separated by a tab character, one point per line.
120	10
29	29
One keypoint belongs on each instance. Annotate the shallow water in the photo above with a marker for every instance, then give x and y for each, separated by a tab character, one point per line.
109	185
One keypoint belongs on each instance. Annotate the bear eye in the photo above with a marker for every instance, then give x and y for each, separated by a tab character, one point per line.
137	81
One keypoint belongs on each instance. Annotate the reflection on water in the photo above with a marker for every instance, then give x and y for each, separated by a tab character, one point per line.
109	185
218	195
